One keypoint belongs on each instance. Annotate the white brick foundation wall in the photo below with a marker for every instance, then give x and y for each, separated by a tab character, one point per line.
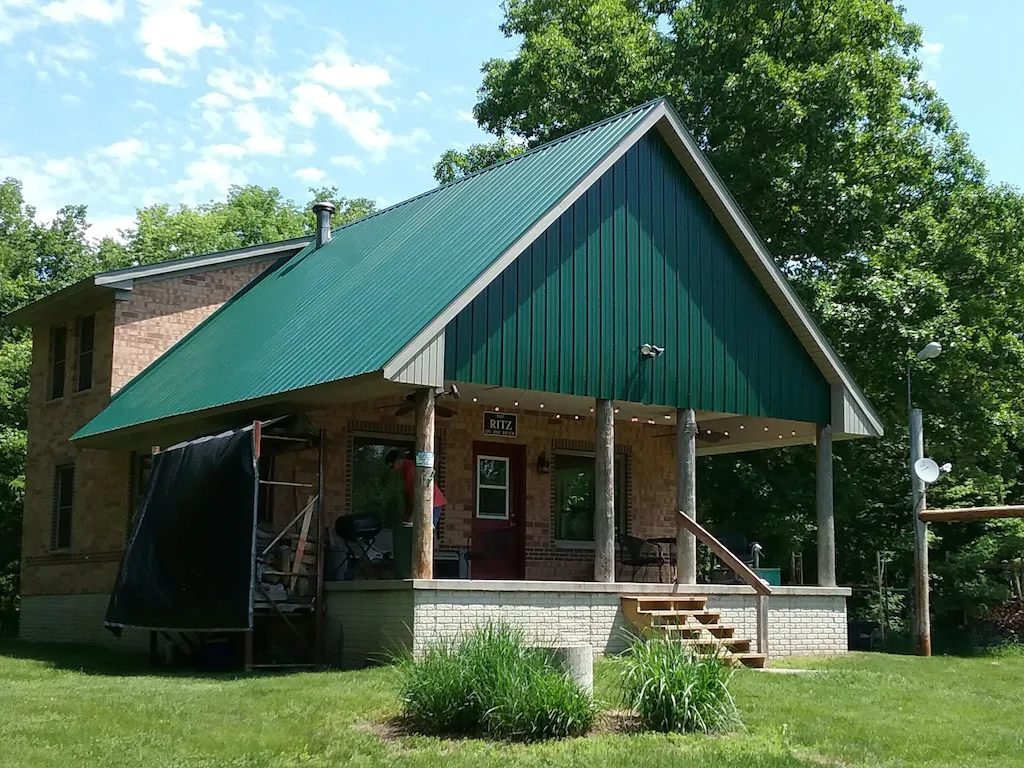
74	619
371	617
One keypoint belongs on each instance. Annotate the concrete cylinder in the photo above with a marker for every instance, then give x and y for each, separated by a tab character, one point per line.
577	661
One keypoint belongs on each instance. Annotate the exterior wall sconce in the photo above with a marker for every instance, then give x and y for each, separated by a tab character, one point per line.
543	465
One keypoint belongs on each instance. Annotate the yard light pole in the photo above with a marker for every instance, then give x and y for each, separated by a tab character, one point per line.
922	619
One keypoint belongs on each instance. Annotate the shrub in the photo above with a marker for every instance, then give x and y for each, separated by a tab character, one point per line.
674	687
490	682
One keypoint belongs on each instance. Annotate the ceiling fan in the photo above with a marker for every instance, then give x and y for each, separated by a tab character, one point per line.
409	405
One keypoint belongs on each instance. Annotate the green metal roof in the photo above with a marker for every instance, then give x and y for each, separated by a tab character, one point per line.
349	307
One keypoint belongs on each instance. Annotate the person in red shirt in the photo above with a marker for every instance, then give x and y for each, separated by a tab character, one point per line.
407	468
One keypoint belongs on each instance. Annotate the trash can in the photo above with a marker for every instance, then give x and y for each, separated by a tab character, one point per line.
403	550
772	575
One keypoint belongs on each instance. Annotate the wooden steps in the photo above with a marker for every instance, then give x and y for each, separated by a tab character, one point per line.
687	620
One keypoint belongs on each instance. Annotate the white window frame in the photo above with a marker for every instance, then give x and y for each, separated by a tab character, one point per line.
479	485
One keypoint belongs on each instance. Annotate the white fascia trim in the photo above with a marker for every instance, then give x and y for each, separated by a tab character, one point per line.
123	278
753	241
438	324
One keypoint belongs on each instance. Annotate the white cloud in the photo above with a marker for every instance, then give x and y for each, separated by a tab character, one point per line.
225	150
172	33
303	148
421	97
336	69
244	85
154	75
261	140
309	175
208	174
348	161
214	100
110	226
959	18
465	116
69	52
125	152
363	125
73	11
930	53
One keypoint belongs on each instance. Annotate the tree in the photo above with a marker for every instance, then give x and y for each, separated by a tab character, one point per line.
454	165
852	169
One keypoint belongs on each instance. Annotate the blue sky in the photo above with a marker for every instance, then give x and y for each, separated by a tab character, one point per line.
122	103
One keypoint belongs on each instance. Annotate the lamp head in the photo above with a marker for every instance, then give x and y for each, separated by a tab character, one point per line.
931	350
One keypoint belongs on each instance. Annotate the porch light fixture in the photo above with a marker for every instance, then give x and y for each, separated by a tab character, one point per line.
474	399
931	350
543	465
516	403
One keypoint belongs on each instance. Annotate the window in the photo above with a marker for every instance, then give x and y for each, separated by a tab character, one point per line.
375	487
141	464
492	487
58	360
573	476
86	342
63	504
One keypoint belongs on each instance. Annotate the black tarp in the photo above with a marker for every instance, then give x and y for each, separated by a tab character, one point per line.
188	563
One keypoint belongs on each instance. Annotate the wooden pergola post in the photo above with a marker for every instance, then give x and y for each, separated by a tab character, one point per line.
423	496
922	612
686	494
826	512
604	492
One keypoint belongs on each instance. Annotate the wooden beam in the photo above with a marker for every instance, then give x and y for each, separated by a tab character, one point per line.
423	496
686	494
604	492
762	624
825	510
970	513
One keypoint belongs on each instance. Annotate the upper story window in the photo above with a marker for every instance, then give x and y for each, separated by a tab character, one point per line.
573	475
63	506
58	361
86	342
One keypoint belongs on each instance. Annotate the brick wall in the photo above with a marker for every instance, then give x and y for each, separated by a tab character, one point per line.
801	620
128	336
75	619
650	492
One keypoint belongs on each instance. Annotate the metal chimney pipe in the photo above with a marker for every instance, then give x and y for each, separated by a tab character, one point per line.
323	211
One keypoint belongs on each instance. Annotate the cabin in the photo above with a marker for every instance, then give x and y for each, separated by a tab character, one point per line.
551	341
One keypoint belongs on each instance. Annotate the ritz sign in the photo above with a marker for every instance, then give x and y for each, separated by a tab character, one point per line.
500	424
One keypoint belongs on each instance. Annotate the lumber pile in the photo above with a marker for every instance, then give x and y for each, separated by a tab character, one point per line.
1008	617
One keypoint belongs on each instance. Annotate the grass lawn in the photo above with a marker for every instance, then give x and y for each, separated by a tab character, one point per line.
69	707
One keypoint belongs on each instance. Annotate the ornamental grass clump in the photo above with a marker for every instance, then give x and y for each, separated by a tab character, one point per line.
677	688
491	683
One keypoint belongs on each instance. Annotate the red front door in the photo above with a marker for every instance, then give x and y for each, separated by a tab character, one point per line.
499	503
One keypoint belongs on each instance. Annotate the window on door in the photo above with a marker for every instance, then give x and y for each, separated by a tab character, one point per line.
58	361
492	477
63	506
574	475
85	344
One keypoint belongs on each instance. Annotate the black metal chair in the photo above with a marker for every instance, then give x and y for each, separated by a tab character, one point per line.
358	533
640	554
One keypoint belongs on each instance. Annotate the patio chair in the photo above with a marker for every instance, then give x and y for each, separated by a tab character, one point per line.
640	554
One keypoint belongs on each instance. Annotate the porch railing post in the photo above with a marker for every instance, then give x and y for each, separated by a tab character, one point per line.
686	494
423	497
604	503
826	514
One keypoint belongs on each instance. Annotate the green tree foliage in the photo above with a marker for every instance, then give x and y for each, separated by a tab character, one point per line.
853	170
454	164
39	258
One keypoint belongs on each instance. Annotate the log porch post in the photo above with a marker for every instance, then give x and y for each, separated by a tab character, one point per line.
604	492
826	513
423	495
686	494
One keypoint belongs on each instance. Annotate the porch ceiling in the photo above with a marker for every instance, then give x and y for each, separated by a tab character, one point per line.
719	432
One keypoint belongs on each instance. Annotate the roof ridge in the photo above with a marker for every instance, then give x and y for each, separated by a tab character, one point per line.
509	160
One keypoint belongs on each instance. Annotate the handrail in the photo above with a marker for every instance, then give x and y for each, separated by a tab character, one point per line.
970	513
726	555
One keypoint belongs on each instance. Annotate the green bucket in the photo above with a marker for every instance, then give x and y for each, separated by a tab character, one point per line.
402	552
772	575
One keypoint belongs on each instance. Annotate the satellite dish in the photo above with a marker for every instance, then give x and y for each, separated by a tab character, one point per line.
927	470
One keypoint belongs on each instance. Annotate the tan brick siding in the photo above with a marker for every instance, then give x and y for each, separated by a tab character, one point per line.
161	312
129	335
